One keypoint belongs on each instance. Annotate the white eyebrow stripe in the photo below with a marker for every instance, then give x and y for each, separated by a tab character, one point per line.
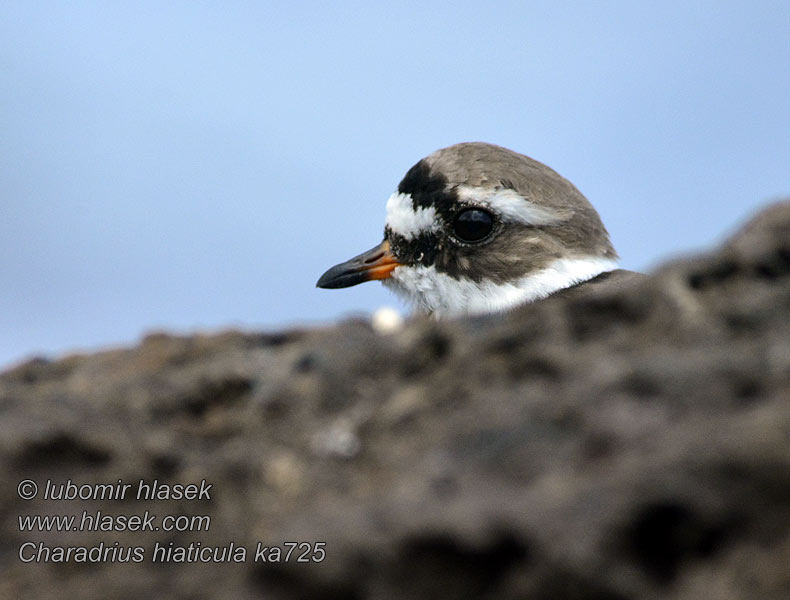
511	206
405	220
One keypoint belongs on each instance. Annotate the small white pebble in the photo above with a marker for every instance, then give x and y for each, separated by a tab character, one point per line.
337	442
387	320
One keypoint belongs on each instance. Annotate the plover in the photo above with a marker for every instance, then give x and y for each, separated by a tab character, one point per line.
475	228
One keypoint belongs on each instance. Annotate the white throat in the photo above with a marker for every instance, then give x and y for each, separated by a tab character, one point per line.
444	296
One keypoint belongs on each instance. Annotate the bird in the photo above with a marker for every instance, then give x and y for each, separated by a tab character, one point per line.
475	228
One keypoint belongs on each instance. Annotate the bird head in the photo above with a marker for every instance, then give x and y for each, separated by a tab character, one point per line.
476	228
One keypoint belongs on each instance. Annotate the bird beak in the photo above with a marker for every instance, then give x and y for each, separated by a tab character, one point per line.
376	263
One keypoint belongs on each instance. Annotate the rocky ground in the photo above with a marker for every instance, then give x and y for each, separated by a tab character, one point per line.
635	444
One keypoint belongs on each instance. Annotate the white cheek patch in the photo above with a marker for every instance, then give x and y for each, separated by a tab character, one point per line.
444	296
403	219
512	206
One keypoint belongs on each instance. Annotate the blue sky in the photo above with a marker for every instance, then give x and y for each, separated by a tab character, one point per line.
191	166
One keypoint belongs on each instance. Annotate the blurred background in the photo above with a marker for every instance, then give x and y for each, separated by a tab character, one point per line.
195	165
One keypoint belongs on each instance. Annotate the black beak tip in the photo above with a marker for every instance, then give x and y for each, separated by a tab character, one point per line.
324	281
338	277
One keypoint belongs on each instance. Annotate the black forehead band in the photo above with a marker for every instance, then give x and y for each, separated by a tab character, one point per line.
427	188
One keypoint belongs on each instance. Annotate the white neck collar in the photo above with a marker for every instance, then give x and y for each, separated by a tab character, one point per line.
444	296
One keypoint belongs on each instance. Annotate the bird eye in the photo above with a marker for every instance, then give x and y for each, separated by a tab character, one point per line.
473	225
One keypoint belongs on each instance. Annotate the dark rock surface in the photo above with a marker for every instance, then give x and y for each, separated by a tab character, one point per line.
633	444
